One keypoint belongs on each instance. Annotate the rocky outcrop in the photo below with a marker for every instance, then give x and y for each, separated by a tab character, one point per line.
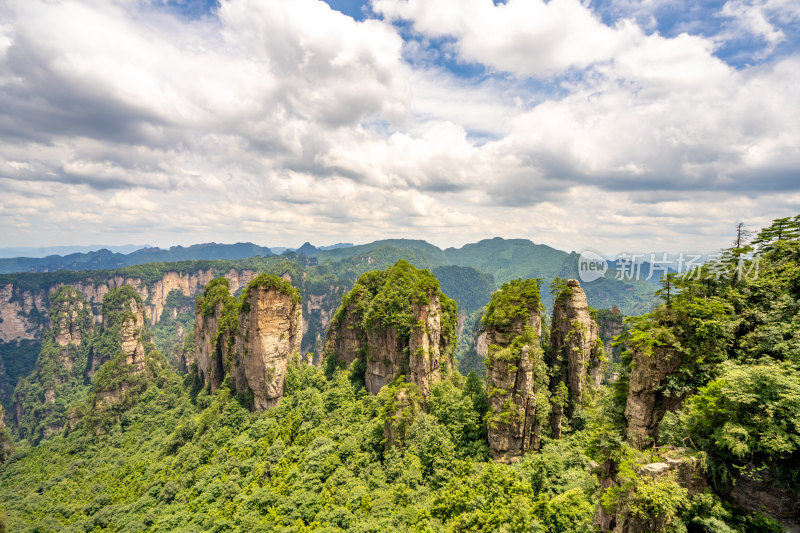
513	429
758	490
123	356
6	445
515	372
395	322
682	473
18	307
60	366
211	345
646	404
130	338
611	324
70	322
577	352
250	339
270	332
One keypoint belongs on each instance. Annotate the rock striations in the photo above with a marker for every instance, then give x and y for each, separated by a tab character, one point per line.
6	444
577	352
250	338
395	322
516	377
122	355
647	404
40	398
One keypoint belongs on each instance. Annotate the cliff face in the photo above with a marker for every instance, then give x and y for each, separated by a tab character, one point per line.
347	339
270	332
513	428
120	354
611	323
577	352
130	338
17	306
6	446
515	372
395	322
646	405
319	305
251	339
210	352
26	304
39	398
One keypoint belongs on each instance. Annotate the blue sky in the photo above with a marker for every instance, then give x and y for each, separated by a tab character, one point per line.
618	124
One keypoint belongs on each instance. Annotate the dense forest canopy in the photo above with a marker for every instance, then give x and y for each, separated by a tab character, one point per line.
687	432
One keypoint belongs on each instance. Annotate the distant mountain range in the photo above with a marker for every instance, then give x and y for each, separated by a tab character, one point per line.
44	251
106	259
52	258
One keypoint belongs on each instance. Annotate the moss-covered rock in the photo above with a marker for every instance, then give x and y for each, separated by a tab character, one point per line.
516	377
395	322
250	338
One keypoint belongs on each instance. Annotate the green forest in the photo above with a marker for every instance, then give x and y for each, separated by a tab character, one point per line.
694	426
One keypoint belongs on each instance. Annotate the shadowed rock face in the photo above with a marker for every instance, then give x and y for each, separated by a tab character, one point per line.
424	356
346	337
270	332
515	372
513	430
389	348
577	351
647	405
5	440
210	352
250	340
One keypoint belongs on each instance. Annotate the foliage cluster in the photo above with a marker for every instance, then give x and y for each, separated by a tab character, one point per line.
514	301
316	461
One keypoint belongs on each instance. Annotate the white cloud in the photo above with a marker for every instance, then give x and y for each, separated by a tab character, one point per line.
281	122
525	37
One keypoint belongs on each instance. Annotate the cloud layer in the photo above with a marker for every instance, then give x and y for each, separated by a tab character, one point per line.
279	122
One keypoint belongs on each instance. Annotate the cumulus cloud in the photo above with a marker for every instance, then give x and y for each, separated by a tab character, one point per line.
288	121
526	37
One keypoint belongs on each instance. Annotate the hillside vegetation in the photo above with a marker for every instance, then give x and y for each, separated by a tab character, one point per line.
697	430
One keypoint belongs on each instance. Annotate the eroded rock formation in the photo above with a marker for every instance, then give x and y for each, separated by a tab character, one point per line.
120	355
646	403
250	339
59	367
270	332
515	372
6	446
395	322
577	352
683	472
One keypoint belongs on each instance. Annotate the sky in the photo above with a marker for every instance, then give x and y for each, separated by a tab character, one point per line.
614	124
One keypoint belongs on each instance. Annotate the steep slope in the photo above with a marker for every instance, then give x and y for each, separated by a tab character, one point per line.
395	322
516	378
250	338
576	353
42	399
25	301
